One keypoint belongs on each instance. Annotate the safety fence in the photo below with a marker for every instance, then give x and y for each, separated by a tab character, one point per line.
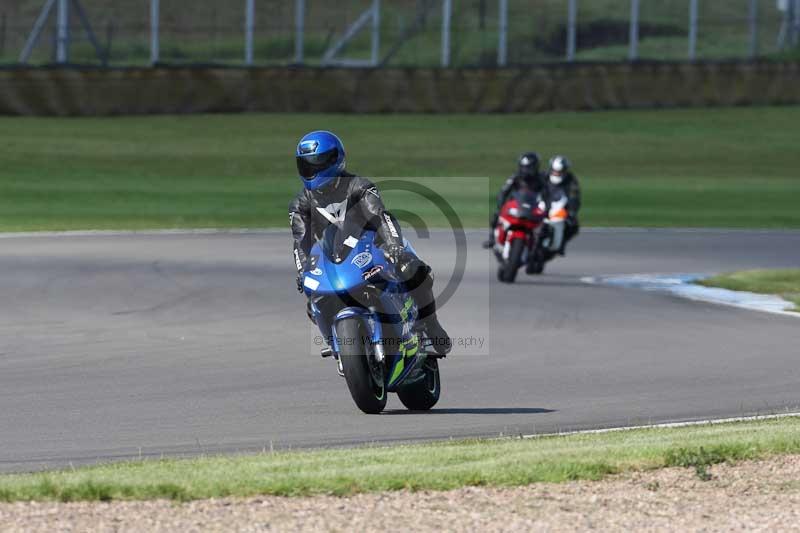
579	86
395	33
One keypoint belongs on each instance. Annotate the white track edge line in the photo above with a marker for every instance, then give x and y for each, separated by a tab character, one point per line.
667	425
600	281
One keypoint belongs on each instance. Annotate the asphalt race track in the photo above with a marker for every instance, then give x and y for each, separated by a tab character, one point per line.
115	347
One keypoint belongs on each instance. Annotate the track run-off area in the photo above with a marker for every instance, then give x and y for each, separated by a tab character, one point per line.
118	346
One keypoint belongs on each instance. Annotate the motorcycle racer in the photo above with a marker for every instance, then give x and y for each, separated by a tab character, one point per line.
529	175
330	194
560	178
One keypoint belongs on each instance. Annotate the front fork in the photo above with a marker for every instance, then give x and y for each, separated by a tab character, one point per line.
514	235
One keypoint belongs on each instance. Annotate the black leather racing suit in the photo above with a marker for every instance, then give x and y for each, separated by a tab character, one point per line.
312	211
359	200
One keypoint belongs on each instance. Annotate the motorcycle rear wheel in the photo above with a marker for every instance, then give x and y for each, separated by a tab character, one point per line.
368	392
536	262
423	395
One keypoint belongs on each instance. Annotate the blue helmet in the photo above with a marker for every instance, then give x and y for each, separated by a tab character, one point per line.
320	158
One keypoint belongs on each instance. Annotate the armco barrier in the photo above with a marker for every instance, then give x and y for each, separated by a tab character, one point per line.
88	91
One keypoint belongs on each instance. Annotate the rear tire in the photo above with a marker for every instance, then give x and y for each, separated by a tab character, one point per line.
368	392
511	266
424	394
536	261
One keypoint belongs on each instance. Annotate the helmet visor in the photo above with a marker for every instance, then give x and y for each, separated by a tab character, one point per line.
310	165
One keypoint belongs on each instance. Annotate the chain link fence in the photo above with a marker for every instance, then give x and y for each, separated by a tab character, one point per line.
400	33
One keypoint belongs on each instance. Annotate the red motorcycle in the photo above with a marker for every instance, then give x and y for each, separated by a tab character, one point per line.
516	235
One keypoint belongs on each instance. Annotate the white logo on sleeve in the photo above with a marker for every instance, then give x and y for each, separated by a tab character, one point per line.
389	223
297	261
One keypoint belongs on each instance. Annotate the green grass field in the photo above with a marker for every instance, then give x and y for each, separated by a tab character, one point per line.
438	466
784	283
703	168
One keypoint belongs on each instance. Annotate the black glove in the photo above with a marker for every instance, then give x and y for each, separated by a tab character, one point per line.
299	281
411	270
395	254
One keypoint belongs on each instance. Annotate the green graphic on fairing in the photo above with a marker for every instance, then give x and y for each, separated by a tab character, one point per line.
408	349
406	308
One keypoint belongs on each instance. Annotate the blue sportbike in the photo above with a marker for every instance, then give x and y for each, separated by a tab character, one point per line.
368	321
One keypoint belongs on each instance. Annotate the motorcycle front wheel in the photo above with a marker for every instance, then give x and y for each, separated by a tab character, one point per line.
511	265
364	377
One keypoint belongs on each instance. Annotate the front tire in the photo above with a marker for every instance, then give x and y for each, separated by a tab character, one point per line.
423	395
511	266
364	377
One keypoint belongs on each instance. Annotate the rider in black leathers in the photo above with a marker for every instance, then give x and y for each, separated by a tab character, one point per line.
561	180
528	174
347	195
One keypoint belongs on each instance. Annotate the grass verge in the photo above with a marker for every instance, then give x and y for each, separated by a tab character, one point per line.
784	283
638	168
436	466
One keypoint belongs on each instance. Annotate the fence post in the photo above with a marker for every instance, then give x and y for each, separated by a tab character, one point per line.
376	32
633	46
154	32
753	16
447	12
249	23
62	32
572	17
796	23
299	29
3	34
502	44
692	30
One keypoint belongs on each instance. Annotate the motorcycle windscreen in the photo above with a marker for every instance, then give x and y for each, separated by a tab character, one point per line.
527	201
338	240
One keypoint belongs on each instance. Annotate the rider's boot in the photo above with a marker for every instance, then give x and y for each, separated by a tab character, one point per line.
438	336
427	316
419	282
489	243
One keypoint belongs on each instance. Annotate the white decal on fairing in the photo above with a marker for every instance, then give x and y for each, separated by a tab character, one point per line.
362	259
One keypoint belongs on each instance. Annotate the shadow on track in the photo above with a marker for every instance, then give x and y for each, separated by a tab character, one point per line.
542	283
474	411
